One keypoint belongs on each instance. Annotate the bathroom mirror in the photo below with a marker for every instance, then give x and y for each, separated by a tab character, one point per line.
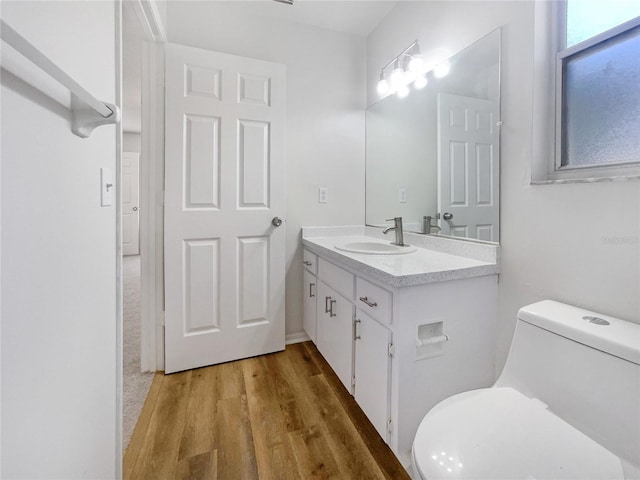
436	152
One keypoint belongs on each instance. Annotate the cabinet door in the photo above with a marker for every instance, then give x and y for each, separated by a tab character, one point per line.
334	332
309	305
372	364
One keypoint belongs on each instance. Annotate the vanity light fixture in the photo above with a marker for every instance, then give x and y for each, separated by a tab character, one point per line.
442	69
408	68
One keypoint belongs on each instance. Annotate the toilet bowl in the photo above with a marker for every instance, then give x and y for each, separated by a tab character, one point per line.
567	405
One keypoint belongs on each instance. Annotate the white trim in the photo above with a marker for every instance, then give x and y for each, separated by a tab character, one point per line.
151	211
296	338
118	239
149	19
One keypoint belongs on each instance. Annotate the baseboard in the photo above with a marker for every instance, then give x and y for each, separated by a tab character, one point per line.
296	338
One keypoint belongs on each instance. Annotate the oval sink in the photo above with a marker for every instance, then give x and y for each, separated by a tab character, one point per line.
374	248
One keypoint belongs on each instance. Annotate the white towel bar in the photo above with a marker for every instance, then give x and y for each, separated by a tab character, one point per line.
87	111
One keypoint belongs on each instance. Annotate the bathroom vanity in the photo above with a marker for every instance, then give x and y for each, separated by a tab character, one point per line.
405	330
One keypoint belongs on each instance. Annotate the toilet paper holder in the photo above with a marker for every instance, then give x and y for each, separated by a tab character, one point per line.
421	342
430	339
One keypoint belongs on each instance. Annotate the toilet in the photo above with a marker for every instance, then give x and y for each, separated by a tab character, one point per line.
567	405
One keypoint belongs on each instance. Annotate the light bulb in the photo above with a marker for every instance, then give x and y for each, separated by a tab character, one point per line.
417	65
420	82
409	77
403	91
383	87
441	70
397	79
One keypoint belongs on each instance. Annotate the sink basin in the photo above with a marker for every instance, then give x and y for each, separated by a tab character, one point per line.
374	248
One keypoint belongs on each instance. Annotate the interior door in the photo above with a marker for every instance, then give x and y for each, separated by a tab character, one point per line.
468	166
130	203
224	189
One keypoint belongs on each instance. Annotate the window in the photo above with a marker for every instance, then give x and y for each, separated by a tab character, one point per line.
593	110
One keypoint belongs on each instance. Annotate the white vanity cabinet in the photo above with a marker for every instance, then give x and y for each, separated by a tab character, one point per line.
373	355
310	289
402	342
335	332
356	345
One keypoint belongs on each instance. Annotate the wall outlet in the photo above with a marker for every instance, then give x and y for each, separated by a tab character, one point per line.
402	195
323	195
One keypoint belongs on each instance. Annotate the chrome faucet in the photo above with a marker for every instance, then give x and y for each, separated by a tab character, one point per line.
426	224
398	228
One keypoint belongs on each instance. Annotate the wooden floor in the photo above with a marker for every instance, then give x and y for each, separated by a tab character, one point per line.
279	416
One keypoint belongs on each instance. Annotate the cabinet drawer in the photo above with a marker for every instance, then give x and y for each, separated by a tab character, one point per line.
310	261
373	300
339	279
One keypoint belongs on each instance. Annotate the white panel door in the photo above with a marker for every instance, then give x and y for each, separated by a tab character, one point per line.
130	203
372	364
224	183
468	166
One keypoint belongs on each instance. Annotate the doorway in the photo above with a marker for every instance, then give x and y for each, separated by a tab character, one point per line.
136	382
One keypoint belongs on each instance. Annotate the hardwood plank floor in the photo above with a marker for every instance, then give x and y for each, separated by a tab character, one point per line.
273	417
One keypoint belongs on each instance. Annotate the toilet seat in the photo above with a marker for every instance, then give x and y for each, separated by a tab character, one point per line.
499	433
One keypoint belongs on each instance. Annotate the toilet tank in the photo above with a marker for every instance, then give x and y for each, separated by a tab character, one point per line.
585	367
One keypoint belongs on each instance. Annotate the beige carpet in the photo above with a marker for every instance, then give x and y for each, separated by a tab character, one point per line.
135	384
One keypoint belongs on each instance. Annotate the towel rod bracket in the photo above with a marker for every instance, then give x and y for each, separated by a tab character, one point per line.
85	119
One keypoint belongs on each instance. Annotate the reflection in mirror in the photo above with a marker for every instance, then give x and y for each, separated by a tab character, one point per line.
435	153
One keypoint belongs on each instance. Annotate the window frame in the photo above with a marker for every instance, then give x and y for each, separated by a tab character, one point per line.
550	57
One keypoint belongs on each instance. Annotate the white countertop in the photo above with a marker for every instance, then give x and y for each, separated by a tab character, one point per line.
425	265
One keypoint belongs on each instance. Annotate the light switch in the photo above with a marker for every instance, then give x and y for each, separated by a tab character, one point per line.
323	195
107	187
402	195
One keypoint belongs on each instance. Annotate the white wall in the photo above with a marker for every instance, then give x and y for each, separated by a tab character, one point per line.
325	114
574	243
58	257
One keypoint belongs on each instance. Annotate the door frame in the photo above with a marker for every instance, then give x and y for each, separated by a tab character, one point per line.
151	185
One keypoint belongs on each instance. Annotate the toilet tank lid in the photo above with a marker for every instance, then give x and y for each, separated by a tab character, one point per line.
619	337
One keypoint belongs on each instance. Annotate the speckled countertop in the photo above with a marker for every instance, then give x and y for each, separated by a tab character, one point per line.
436	259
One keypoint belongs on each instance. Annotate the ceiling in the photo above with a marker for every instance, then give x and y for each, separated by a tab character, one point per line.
355	17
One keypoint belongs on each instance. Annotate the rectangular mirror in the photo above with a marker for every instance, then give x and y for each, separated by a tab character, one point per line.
436	152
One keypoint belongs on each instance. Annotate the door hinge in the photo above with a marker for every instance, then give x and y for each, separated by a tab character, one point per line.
389	426
353	383
392	350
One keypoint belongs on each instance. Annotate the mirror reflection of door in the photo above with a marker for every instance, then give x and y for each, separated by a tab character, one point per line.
468	178
130	203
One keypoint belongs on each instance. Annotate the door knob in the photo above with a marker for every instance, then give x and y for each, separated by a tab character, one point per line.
447	216
135	209
276	222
